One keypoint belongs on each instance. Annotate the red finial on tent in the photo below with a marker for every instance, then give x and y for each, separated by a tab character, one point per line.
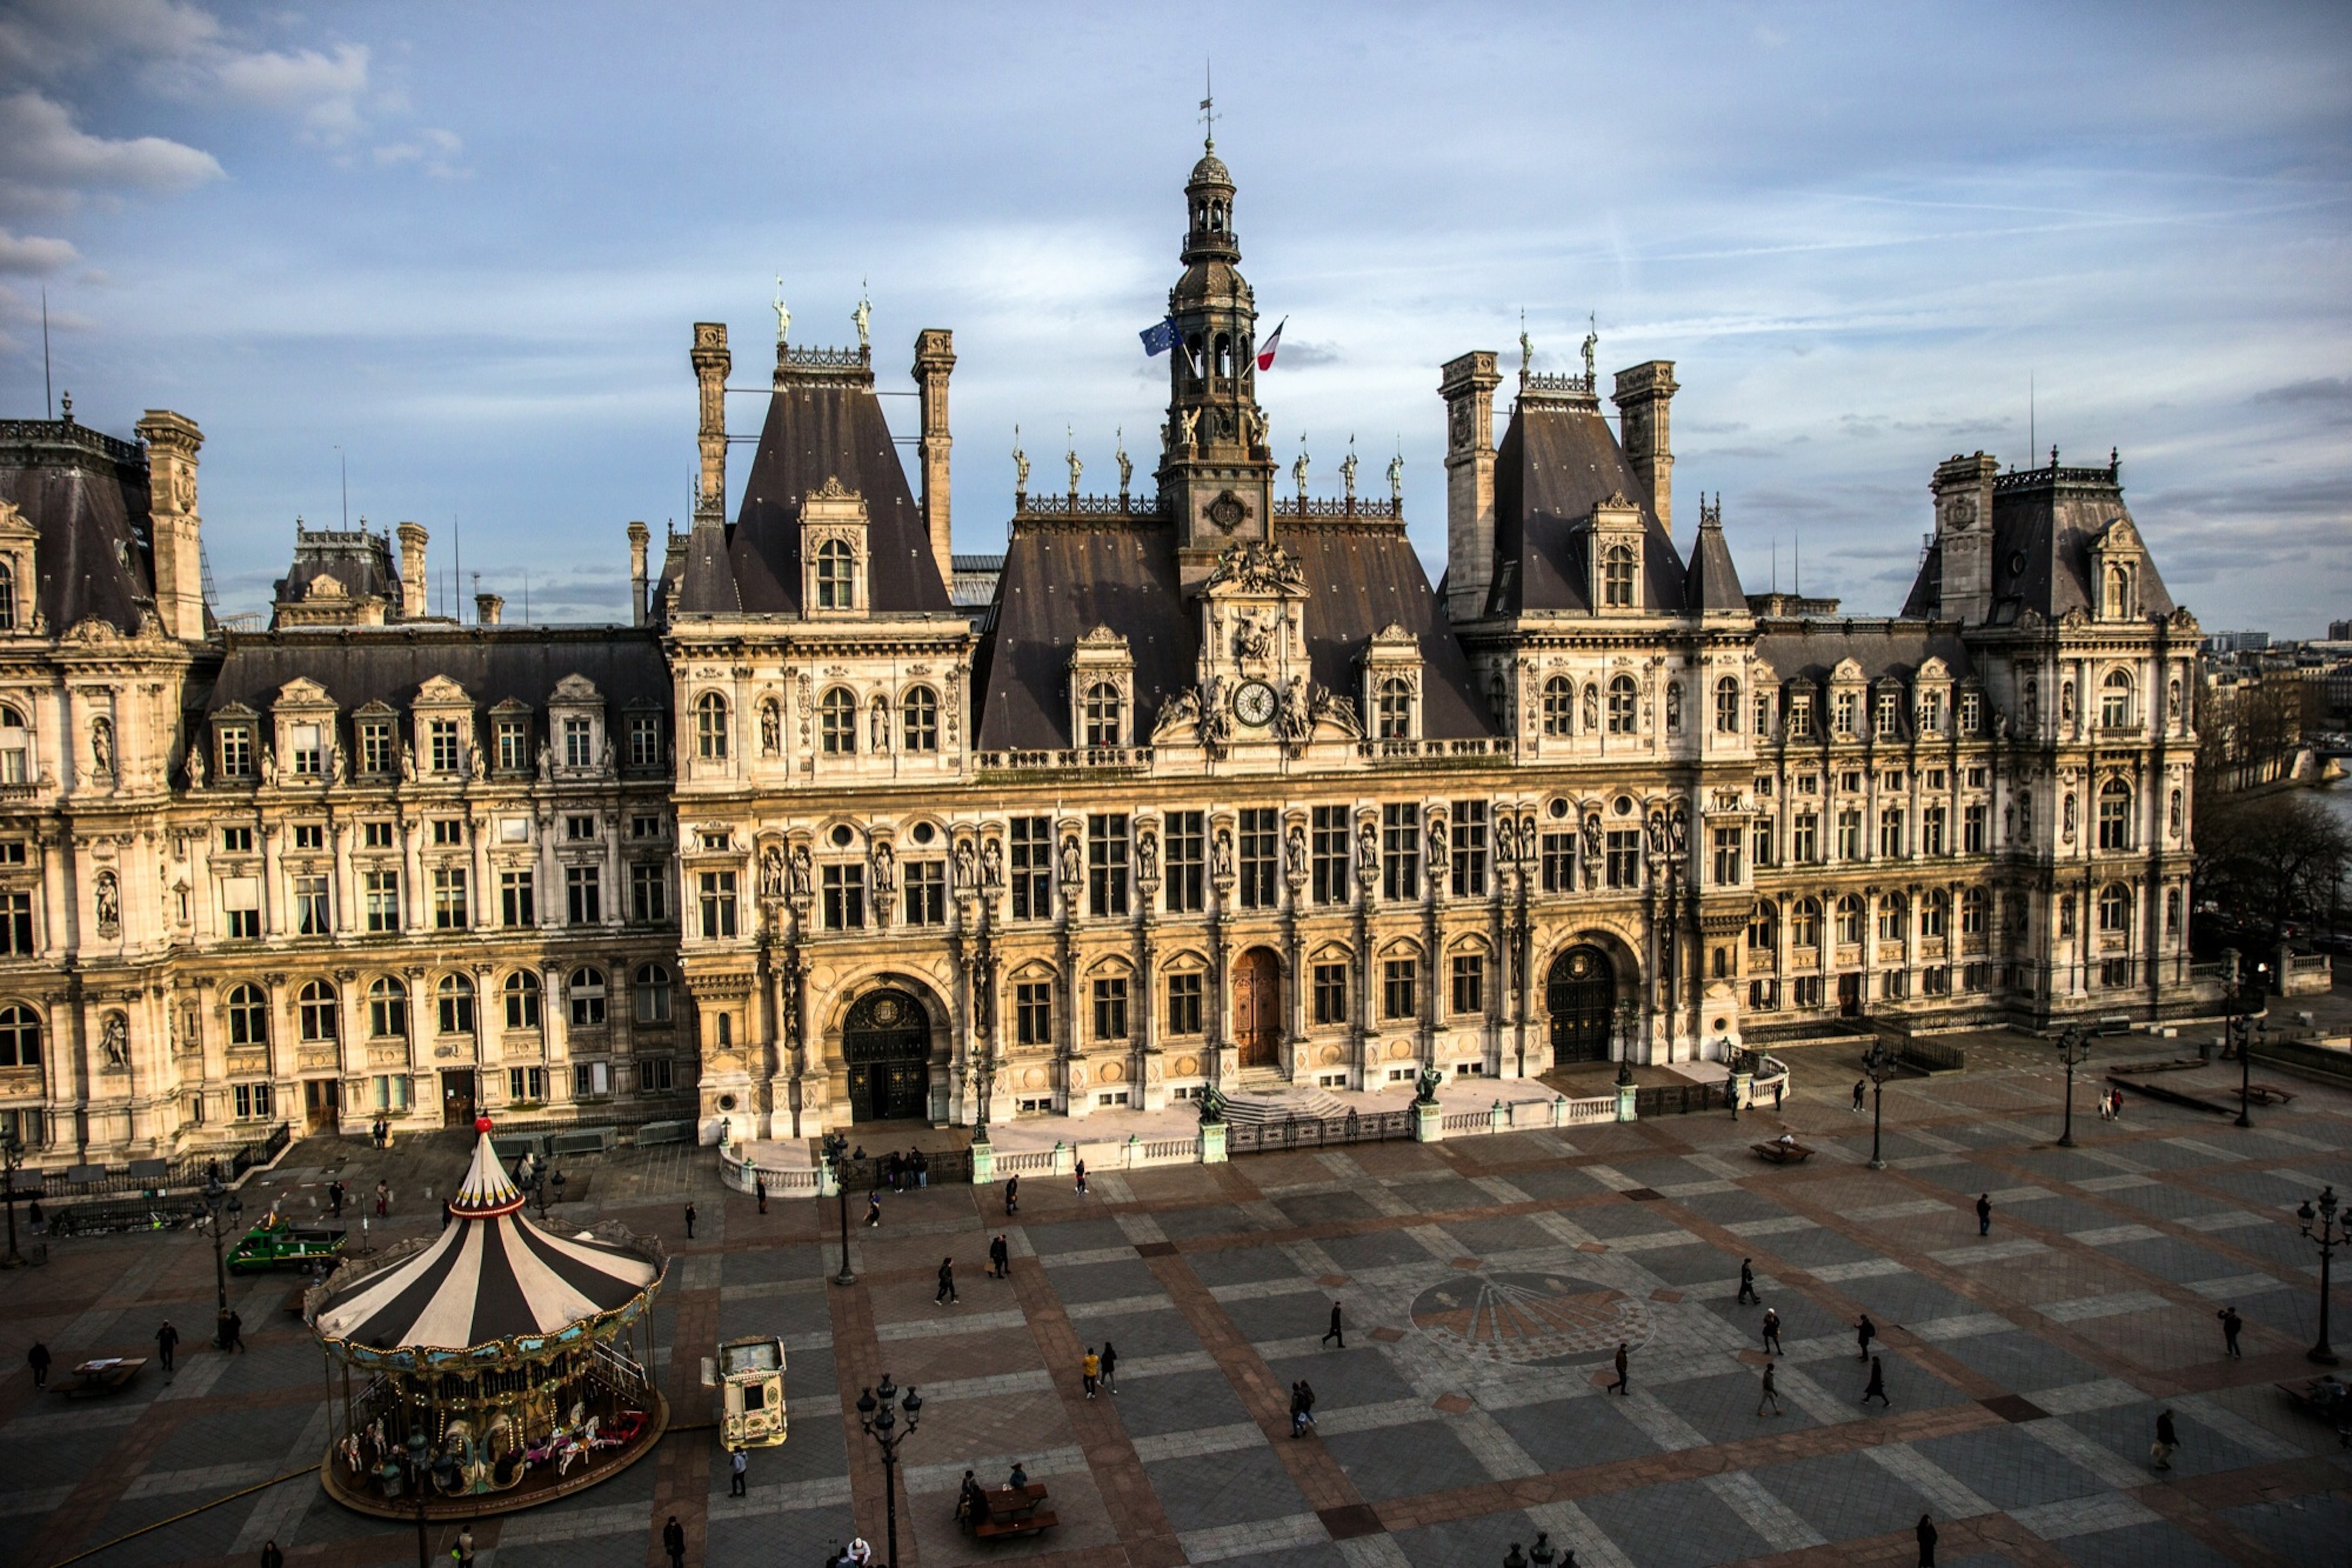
481	1124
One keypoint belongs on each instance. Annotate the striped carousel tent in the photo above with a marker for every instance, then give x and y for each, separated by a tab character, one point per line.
490	1276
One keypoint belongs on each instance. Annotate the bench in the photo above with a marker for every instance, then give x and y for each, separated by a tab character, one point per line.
2268	1094
1014	1511
1782	1154
1027	1524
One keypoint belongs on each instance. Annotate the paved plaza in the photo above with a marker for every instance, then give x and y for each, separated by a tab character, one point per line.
1485	1283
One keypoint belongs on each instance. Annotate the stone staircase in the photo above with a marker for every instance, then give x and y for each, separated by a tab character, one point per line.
1253	1106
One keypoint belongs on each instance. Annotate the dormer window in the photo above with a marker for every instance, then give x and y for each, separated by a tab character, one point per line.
1617	577
444	748
1396	709
1931	712
578	743
1847	713
1105	714
834	551
304	756
836	576
514	745
235	750
1889	719
2120	594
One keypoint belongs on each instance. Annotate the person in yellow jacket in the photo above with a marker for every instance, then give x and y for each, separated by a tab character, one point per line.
1090	1369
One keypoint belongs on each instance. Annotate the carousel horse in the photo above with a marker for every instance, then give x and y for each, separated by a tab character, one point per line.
508	1464
463	1457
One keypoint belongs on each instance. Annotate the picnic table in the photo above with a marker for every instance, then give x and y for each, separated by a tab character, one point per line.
1014	1510
105	1375
1782	1154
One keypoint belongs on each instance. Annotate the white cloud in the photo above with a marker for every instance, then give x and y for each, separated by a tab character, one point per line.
433	151
324	88
33	255
48	37
48	162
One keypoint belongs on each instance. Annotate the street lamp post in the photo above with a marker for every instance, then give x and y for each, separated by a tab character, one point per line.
834	1144
879	1421
1628	1016
1879	1063
2074	1049
12	1160
1732	1064
217	1200
2331	1233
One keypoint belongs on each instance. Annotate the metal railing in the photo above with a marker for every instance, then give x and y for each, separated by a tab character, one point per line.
1316	1133
159	1175
1678	1099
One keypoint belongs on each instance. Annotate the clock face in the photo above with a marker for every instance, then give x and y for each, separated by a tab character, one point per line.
1254	704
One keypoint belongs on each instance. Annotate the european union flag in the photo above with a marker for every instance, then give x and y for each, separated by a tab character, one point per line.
1160	339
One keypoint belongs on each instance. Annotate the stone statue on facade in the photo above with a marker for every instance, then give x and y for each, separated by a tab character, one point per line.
1221	857
771	872
885	869
1396	479
864	318
801	874
771	728
1147	855
1019	464
877	728
783	316
107	902
1071	868
1178	711
991	864
1299	469
1126	464
1592	707
963	865
1296	718
1367	851
114	1039
1188	424
1425	1086
101	746
268	765
1253	640
1070	455
408	761
195	767
1294	846
1347	468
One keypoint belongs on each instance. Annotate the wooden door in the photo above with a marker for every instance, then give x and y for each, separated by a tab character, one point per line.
1257	1008
457	1098
1850	995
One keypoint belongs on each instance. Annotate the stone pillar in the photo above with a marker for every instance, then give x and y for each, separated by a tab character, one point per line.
639	537
1643	396
1467	384
934	360
413	581
172	441
711	363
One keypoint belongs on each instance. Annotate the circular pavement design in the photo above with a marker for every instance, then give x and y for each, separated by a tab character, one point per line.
1527	1318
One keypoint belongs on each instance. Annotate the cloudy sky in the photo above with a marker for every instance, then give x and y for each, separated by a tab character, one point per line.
460	248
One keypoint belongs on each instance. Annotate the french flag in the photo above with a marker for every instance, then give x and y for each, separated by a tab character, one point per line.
1273	343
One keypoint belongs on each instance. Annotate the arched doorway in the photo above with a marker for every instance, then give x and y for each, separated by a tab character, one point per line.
1580	994
1257	1007
887	1041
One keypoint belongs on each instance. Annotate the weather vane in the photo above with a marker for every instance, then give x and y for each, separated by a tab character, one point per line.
1208	108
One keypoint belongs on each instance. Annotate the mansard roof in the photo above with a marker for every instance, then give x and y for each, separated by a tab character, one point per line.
86	494
1712	586
360	561
390	665
2045	523
1810	649
1558	461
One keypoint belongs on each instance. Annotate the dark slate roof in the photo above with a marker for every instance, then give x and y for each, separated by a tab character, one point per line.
360	560
1558	460
494	664
1061	581
1713	582
1810	649
86	493
819	428
2044	522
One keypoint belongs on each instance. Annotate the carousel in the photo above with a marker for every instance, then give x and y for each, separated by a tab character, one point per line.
491	1367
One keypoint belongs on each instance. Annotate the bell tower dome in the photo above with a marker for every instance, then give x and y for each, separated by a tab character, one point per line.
1216	470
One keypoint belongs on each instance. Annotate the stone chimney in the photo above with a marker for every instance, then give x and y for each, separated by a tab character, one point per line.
1643	396
487	608
639	537
1963	492
1468	384
711	363
413	584
934	359
172	441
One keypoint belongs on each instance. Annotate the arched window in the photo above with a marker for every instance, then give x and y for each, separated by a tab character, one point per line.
2115	814
523	1000
1764	926
1892	918
387	1009
836	576
7	598
1225	346
2119	592
1102	715
2115	908
1624	707
836	713
1396	709
1975	909
314	1008
1727	707
20	1035
710	726
919	718
2116	700
1617	577
1805	924
455	996
1935	914
249	1016
1558	706
15	748
653	993
1850	918
587	989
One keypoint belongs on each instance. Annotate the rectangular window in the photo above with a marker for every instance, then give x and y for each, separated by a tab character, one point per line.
375	746
646	825
1931	830
1849	835
514	745
1800	716
1807	991
1107	864
1261	852
1971	712
516	904
1399	985
1331	992
236	840
1469	849
1110	1008
236	751
254	1100
526	1084
1972	829
1890	833
303	756
1624	847
16	924
584	894
448	831
1761	847
1033	1012
591	1080
1764	995
1184	892
379	899
1848	707
655	1075
1185	1004
444	753
644	740
648	892
1727	857
845	896
448	898
925	892
1559	862
1032	841
1400	850
245	925
1328	854
310	835
375	835
717	895
1805	839
577	828
1469	983
579	744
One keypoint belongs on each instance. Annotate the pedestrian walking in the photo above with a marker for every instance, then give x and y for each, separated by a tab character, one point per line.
1984	1214
1747	1283
674	1542
689	1222
1082	1178
383	1199
1858	1084
37	1358
896	1168
1109	1368
2230	1324
1335	1331
874	1209
1090	1370
2116	1107
2168	1438
1624	1385
235	1325
1779	1085
1771	1394
999	1258
270	1556
464	1550
1926	1534
760	1190
1013	1193
334	1200
739	1473
947	1291
1865	1330
1877	1385
1298	1414
167	1340
1772	1330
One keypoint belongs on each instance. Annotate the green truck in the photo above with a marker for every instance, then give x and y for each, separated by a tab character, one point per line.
282	1244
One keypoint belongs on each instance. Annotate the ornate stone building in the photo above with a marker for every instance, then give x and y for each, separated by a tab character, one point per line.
1218	789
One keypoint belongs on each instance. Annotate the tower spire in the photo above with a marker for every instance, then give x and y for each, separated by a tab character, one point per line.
1209	106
